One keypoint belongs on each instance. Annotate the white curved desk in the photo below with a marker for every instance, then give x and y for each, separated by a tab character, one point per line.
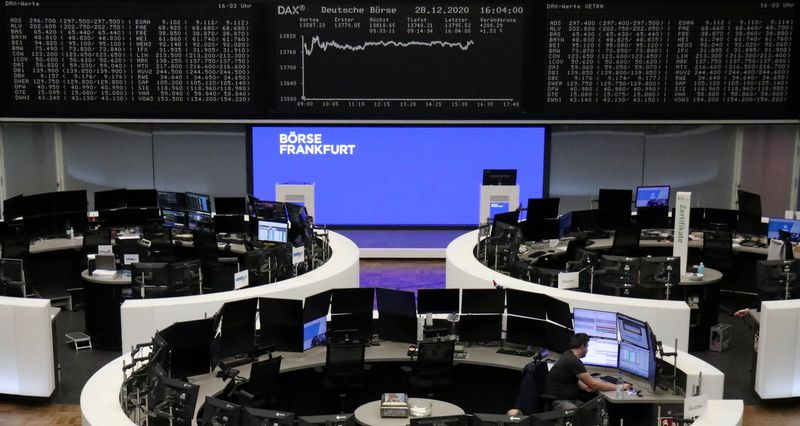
142	318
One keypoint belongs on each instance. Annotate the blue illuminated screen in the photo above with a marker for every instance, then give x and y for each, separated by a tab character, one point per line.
652	196
314	333
396	175
788	225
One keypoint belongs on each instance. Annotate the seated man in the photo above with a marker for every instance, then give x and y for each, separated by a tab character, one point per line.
569	374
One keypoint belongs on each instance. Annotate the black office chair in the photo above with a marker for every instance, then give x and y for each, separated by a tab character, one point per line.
12	278
161	248
263	384
531	397
502	248
344	370
15	242
433	369
626	241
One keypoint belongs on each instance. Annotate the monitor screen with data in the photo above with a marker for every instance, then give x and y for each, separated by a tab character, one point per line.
595	323
633	331
276	232
602	353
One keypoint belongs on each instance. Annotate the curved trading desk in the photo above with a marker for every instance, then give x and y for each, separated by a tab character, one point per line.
141	318
100	396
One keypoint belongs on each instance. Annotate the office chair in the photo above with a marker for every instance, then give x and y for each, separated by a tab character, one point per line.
626	241
531	397
344	369
433	369
263	383
12	278
92	238
206	249
161	248
15	243
502	248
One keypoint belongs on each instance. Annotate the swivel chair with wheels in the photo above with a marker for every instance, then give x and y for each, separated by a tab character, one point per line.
263	383
433	369
531	397
344	370
626	241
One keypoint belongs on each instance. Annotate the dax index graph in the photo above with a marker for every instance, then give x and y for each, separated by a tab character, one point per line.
399	59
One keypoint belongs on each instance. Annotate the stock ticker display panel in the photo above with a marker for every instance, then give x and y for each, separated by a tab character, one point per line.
278	59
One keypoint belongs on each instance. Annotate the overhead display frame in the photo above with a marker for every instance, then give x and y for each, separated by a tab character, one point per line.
256	60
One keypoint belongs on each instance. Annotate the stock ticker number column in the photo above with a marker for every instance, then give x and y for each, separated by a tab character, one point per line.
662	59
400	58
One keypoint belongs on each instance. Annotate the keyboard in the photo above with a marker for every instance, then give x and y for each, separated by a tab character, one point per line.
609	379
517	352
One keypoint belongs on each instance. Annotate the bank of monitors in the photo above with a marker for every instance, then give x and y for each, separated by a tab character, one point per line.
281	322
315	317
652	196
217	412
198	202
789	226
273	232
437	301
261	417
397	315
327	420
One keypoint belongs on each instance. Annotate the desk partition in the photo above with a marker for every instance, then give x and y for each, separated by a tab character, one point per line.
778	363
27	358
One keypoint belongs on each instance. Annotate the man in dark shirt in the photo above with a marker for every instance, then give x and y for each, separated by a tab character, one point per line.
569	374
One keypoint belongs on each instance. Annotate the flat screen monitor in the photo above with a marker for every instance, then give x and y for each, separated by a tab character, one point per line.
595	323
396	302
315	333
510	218
281	323
233	224
198	202
660	269
199	221
172	200
749	202
235	329
506	177
614	199
652	196
12	269
70	201
417	154
268	210
181	397
558	311
633	331
38	204
110	200
526	304
557	337
437	300
155	274
526	331
787	225
750	224
356	327
316	306
188	347
184	277
634	359
261	417
230	205
274	232
483	419
173	218
327	420
482	301
602	353
578	221
481	328
542	208
720	218
621	269
352	300
142	198
13	208
652	217
439	421
541	229
222	413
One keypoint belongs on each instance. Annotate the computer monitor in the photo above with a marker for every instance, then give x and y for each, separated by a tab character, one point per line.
172	200
275	232
235	329
268	210
652	217
188	350
542	208
281	324
500	177
480	328
720	218
633	331
439	421
352	300
541	229
595	323
70	201
198	202
602	352
180	397
230	205
614	199
579	220
508	218
787	225
526	304
483	419
151	274
200	221
315	333
620	269
437	300
38	204
217	412
184	277
396	302
261	417
653	373
749	202
316	306
110	200
173	218
634	359
233	224
356	327
661	269
558	311
652	196
750	224
557	337
526	331
482	301
13	208
12	269
142	198
327	420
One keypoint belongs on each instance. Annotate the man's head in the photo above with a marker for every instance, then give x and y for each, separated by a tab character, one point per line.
579	344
